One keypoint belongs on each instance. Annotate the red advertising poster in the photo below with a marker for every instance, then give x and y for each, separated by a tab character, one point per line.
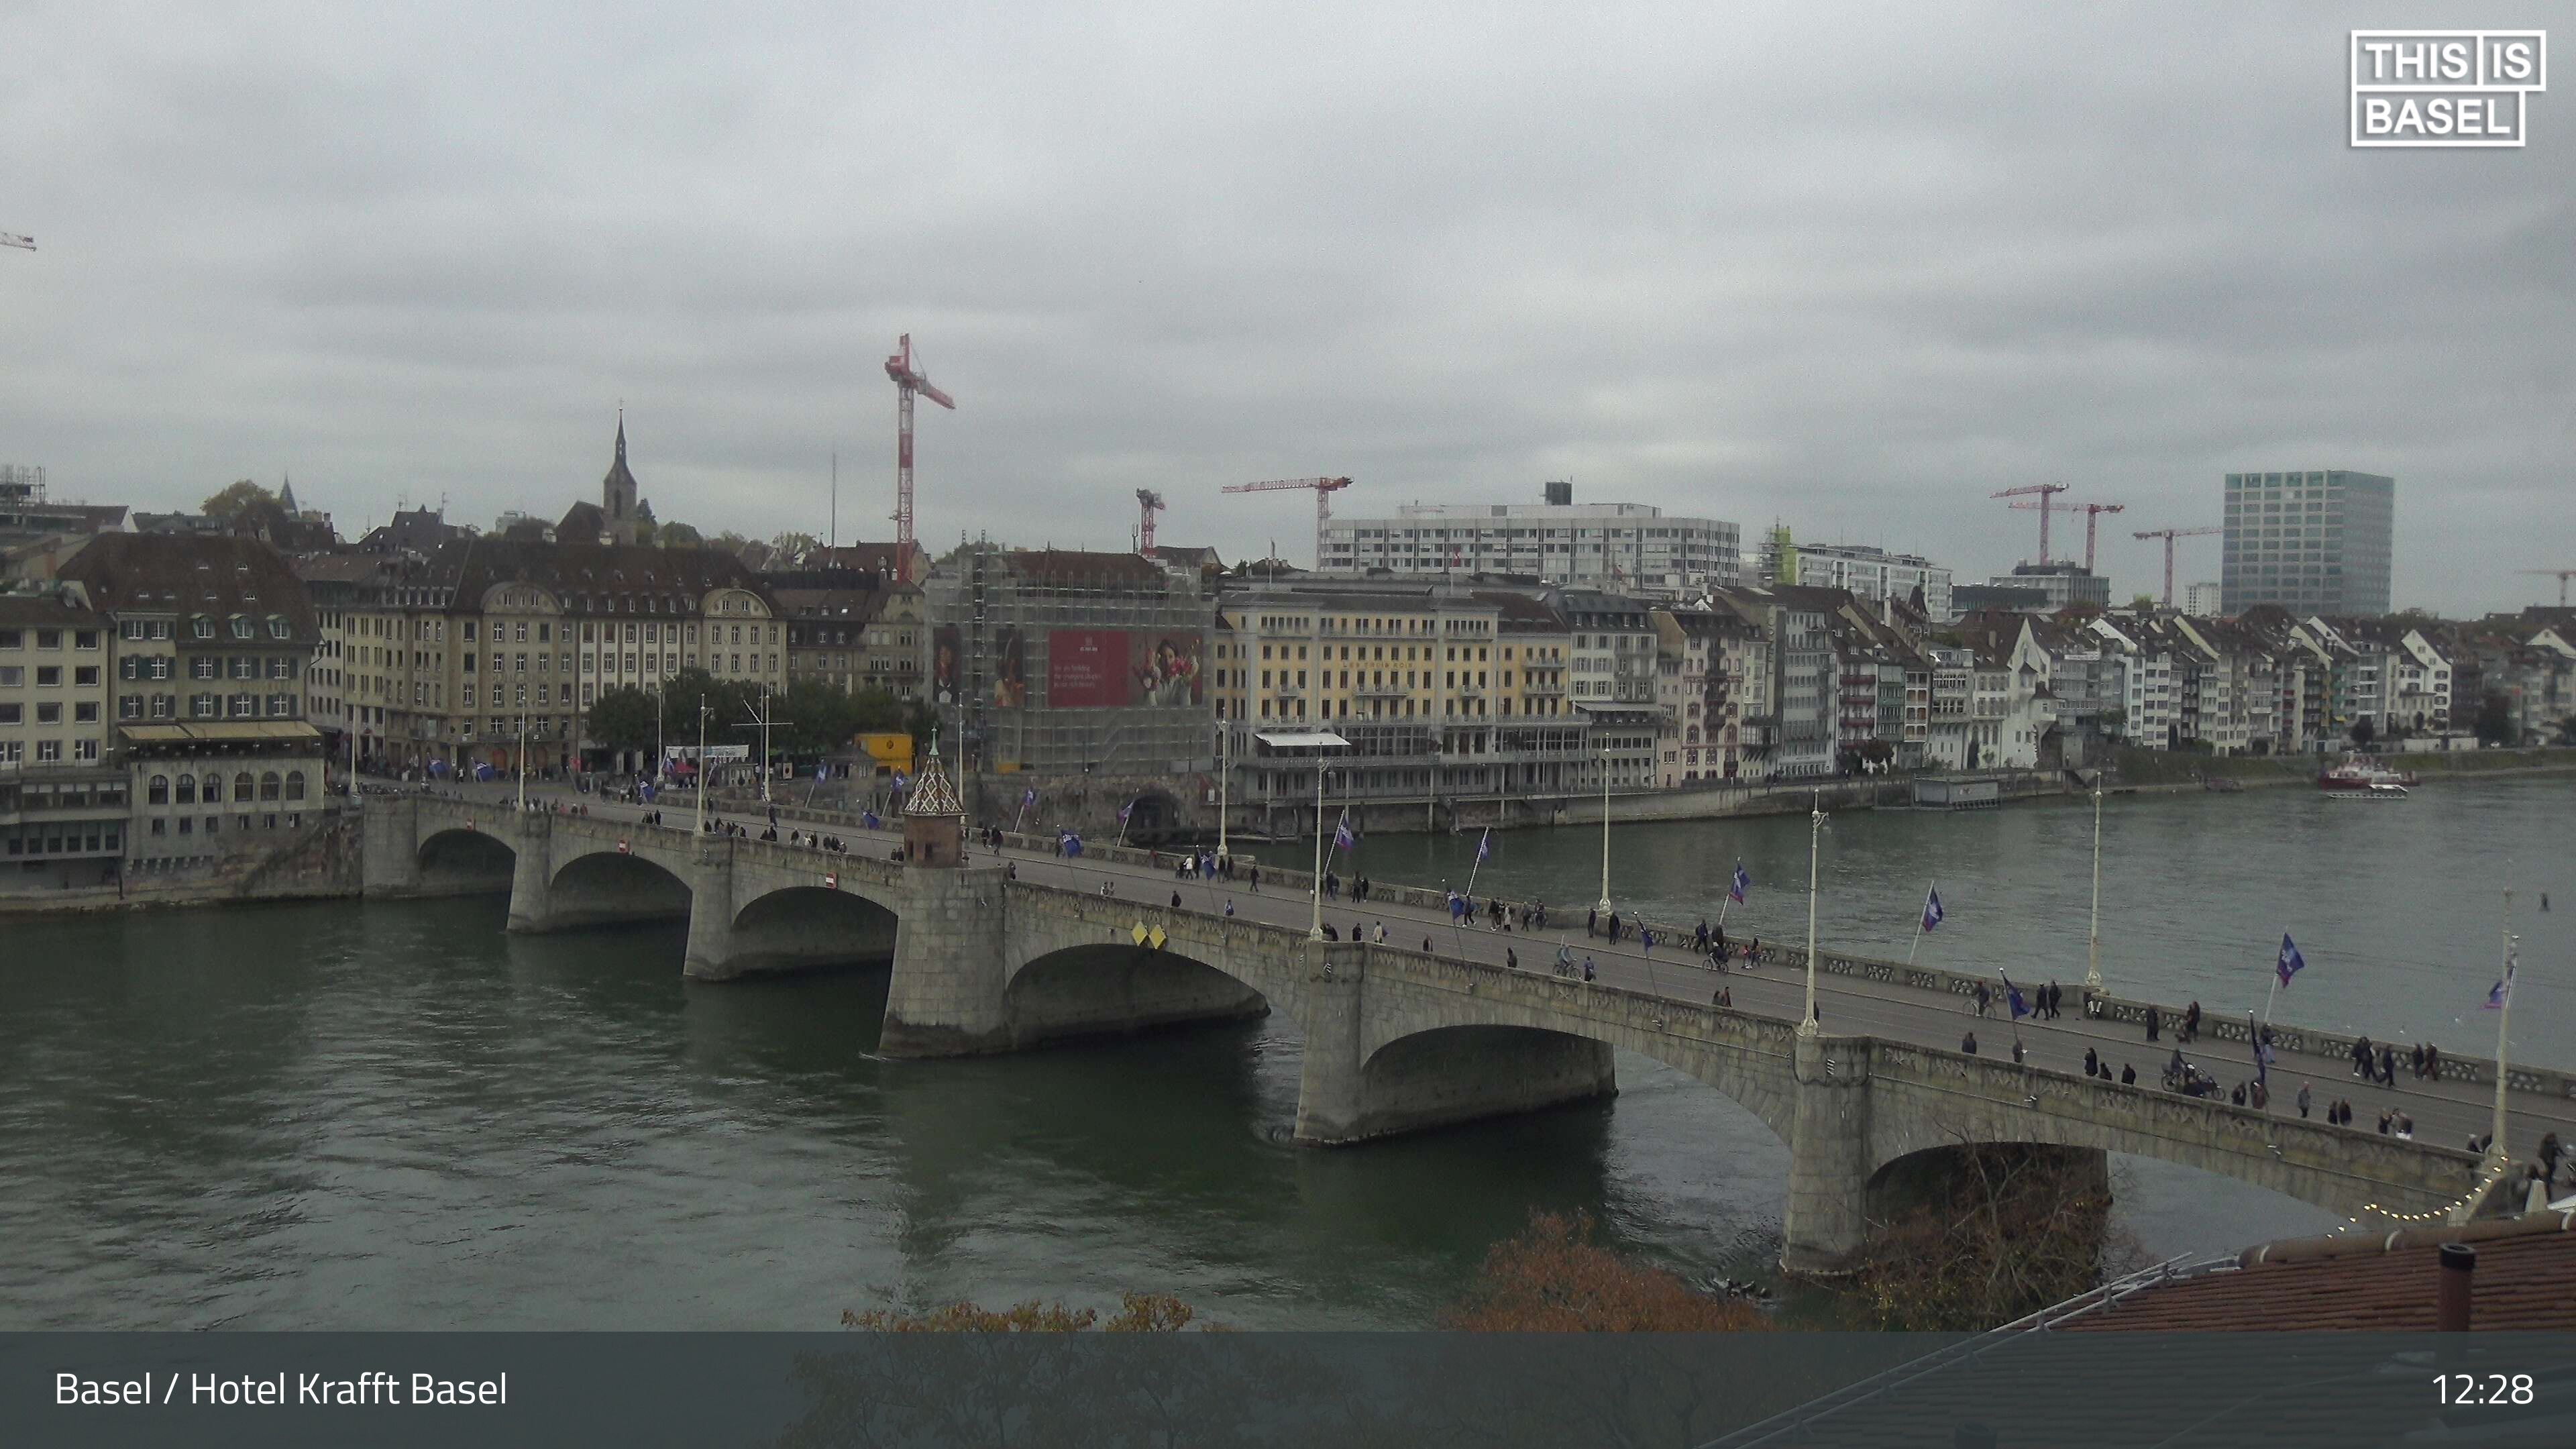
1086	668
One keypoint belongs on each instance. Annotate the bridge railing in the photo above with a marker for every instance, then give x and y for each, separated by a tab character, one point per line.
2288	1040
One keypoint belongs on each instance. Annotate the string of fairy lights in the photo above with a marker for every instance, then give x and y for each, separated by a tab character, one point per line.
2444	1212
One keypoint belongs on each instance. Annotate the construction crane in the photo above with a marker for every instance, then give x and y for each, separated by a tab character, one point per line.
2169	535
12	239
2561	575
1324	488
2092	520
2046	492
1149	503
907	381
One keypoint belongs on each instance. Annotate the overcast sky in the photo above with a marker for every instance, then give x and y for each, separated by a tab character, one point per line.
1853	273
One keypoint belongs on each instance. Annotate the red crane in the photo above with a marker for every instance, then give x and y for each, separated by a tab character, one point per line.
1149	503
1324	488
2169	535
2046	492
906	383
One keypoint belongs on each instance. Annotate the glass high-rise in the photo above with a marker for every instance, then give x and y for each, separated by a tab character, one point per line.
2311	543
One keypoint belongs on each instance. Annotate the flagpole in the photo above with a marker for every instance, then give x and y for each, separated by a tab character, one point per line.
1479	863
1125	809
1920	929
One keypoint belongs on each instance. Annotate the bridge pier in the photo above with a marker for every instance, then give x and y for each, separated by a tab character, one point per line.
1825	1223
711	955
951	965
391	849
532	876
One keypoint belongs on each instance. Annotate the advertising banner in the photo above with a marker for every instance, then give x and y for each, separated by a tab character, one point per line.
1104	668
1086	668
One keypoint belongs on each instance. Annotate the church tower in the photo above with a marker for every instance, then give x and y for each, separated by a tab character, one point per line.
617	491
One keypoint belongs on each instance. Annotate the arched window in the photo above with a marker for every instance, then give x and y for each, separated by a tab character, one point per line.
187	789
268	785
159	791
242	787
295	784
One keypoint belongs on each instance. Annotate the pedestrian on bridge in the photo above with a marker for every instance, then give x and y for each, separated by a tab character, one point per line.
2303	1100
1985	1000
1511	959
1587	968
2128	1075
1381	933
2017	1049
1968	1043
1592	921
2092	1062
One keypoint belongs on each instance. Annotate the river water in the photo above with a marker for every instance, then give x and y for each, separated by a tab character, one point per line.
388	1116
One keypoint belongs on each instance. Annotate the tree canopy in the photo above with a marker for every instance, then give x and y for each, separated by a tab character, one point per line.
1554	1278
235	497
623	718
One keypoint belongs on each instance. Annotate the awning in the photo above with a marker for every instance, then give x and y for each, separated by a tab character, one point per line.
247	732
1303	740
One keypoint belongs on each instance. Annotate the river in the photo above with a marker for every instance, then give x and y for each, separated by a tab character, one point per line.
334	1115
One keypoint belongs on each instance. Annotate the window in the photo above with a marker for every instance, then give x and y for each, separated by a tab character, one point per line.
241	626
86	711
201	627
85	749
242	787
295	784
48	751
49	676
49	714
277	628
13	714
187	789
158	792
86	676
270	785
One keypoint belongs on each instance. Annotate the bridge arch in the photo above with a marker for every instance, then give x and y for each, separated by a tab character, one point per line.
1110	987
460	861
607	887
802	926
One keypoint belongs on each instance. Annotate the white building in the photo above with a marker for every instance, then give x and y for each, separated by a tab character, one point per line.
2201	601
1869	573
1631	548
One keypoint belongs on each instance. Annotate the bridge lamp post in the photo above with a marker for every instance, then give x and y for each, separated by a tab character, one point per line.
1605	830
702	766
523	764
2093	956
1807	1025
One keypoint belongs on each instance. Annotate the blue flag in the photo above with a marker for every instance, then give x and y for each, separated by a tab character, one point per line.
2012	999
1736	888
1343	839
1932	908
2502	991
899	781
823	771
1484	845
2290	962
870	820
1029	797
1126	810
1072	843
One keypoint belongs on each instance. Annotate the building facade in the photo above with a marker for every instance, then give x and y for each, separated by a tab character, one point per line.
1867	573
2316	542
1631	547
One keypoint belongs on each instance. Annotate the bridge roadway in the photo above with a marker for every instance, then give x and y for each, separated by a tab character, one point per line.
1914	1091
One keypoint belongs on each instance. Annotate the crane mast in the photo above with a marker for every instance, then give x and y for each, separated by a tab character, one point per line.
907	381
1324	488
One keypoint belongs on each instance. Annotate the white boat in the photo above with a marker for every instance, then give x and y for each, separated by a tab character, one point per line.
2373	790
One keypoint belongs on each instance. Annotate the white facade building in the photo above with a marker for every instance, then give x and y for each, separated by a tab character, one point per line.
2201	601
1869	573
1630	548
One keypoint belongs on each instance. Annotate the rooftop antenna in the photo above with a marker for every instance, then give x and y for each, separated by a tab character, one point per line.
833	538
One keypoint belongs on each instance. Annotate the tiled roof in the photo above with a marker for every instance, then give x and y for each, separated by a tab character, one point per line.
2525	1279
46	610
187	574
583	575
1075	568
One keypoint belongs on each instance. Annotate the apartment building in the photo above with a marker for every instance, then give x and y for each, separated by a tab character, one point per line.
1634	548
62	801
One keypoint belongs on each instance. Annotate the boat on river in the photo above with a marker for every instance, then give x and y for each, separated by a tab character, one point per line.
2375	790
2359	776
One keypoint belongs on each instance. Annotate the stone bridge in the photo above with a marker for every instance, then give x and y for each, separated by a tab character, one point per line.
1396	1040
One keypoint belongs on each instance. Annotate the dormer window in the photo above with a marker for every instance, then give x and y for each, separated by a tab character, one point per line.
202	627
241	626
277	628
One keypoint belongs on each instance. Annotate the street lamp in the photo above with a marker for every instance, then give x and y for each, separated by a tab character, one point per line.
523	764
2504	1015
1223	769
702	765
1815	840
1315	925
2093	958
1605	830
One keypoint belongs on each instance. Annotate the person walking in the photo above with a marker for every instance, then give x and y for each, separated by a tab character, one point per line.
2092	1062
2017	1049
1588	972
2152	1018
2128	1075
1511	959
2549	1154
1968	1043
1985	999
2303	1099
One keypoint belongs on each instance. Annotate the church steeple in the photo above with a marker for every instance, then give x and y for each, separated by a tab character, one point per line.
617	490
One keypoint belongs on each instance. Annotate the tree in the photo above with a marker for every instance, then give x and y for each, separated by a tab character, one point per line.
2143	603
794	545
729	702
1993	1231
1554	1278
729	542
2363	731
235	498
623	719
678	535
2495	719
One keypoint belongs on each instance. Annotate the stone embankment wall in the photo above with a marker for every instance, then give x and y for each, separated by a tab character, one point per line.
321	860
